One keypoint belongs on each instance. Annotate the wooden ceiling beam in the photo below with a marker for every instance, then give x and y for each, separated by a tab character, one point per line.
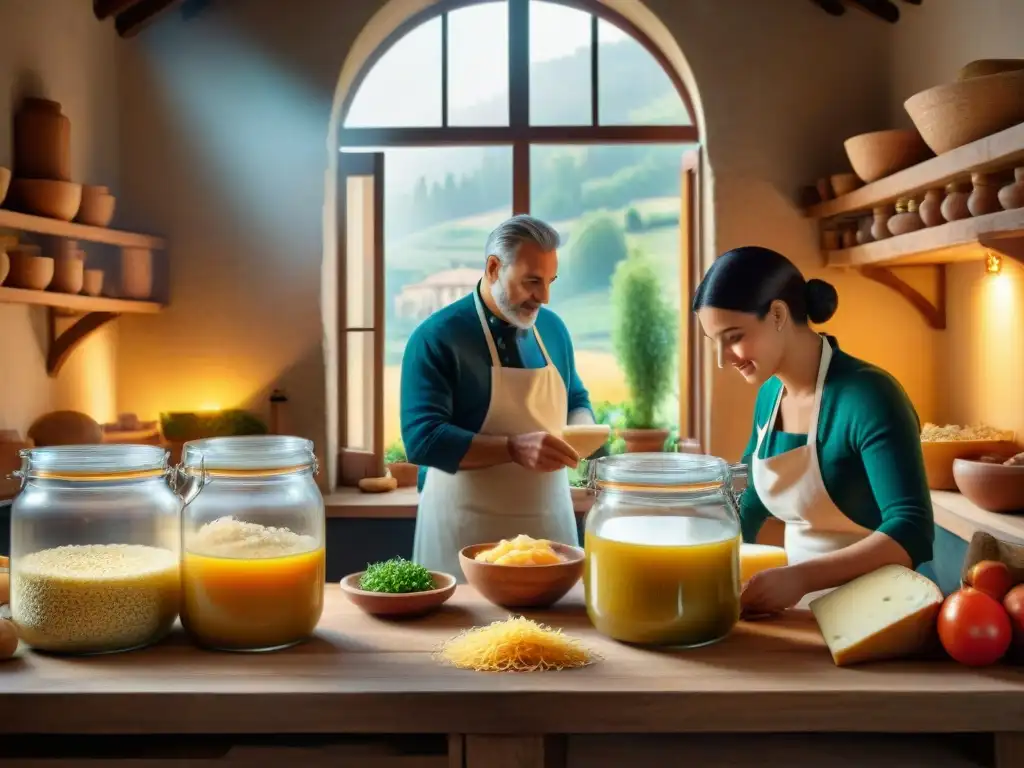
133	20
831	7
883	9
104	9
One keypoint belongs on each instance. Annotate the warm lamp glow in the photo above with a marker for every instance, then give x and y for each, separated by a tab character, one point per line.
209	408
993	263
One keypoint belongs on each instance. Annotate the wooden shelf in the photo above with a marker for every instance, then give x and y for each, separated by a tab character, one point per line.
43	226
995	152
963	518
963	240
93	312
77	303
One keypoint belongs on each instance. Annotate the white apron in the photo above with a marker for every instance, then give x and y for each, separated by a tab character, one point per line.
791	487
475	506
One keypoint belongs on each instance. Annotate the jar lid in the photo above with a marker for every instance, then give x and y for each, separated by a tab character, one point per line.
252	452
99	459
661	470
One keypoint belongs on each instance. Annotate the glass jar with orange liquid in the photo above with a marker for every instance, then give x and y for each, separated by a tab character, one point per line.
662	546
253	555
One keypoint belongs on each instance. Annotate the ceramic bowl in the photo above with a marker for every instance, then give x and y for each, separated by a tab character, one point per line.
939	456
97	207
45	197
953	114
5	182
878	154
991	486
28	269
585	439
399	604
844	183
522	586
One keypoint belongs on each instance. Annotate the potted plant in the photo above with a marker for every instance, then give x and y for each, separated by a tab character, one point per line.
398	465
644	332
178	428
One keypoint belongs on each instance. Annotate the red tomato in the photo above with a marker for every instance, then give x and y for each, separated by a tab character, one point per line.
1014	605
974	628
991	577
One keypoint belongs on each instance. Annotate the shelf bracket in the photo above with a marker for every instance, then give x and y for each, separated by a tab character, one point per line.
934	314
63	344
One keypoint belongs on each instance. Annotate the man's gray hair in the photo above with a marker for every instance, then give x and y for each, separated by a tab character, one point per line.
507	237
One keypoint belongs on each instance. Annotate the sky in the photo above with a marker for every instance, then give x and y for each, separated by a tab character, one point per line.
401	94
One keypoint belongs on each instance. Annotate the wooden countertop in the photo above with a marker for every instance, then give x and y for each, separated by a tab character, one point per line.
961	517
363	675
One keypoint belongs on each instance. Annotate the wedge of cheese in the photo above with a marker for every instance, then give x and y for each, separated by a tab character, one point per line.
885	614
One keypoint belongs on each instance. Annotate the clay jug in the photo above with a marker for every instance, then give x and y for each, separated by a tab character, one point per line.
42	141
1012	195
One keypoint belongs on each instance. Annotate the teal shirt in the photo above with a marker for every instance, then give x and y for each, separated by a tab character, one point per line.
446	378
869	450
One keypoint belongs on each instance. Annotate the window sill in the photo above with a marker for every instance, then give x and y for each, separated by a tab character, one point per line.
954	513
401	503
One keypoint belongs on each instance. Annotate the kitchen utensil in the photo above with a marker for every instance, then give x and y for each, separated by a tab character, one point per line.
92	282
879	154
662	546
844	183
97	208
394	605
95	543
522	586
586	439
42	141
45	197
28	269
940	455
953	114
253	560
991	486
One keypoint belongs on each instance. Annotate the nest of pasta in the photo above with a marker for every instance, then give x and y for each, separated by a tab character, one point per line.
516	644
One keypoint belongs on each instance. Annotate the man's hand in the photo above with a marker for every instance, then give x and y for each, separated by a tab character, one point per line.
542	452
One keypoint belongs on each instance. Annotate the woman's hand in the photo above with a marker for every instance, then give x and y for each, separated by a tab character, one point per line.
772	591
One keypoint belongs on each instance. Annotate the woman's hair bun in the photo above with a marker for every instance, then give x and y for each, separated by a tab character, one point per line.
822	300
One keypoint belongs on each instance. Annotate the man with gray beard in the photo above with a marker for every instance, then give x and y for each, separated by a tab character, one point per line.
488	384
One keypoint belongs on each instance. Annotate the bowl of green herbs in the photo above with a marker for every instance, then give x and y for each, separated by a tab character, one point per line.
398	587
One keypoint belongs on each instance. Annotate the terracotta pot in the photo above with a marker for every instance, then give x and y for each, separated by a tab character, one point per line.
931	208
954	207
582	499
644	440
1012	195
42	141
879	226
5	265
405	473
984	199
68	274
5	182
92	282
97	207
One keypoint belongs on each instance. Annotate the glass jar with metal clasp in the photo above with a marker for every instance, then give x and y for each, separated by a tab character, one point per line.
95	548
253	541
662	544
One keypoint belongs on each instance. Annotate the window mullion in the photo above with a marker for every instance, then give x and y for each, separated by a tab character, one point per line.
519	63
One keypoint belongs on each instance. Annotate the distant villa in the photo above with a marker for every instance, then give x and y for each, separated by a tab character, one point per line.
420	300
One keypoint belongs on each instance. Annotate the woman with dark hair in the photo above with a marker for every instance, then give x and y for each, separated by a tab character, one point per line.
835	449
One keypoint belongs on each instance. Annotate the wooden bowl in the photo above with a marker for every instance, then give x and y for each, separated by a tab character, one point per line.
586	439
29	270
44	197
92	282
878	154
939	457
844	183
5	182
953	114
522	586
399	604
97	208
993	487
982	67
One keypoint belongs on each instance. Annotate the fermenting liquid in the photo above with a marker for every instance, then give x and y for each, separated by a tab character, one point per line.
663	580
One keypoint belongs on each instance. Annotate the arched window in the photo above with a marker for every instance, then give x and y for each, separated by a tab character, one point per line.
473	111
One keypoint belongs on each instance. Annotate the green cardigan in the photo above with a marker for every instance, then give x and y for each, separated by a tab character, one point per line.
869	450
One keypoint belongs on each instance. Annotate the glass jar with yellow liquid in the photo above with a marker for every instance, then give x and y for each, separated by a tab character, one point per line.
253	557
662	548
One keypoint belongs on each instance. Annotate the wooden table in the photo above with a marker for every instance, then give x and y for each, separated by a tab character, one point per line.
367	693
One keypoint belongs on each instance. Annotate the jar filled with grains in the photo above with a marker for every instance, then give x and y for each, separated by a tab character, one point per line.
95	548
253	565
